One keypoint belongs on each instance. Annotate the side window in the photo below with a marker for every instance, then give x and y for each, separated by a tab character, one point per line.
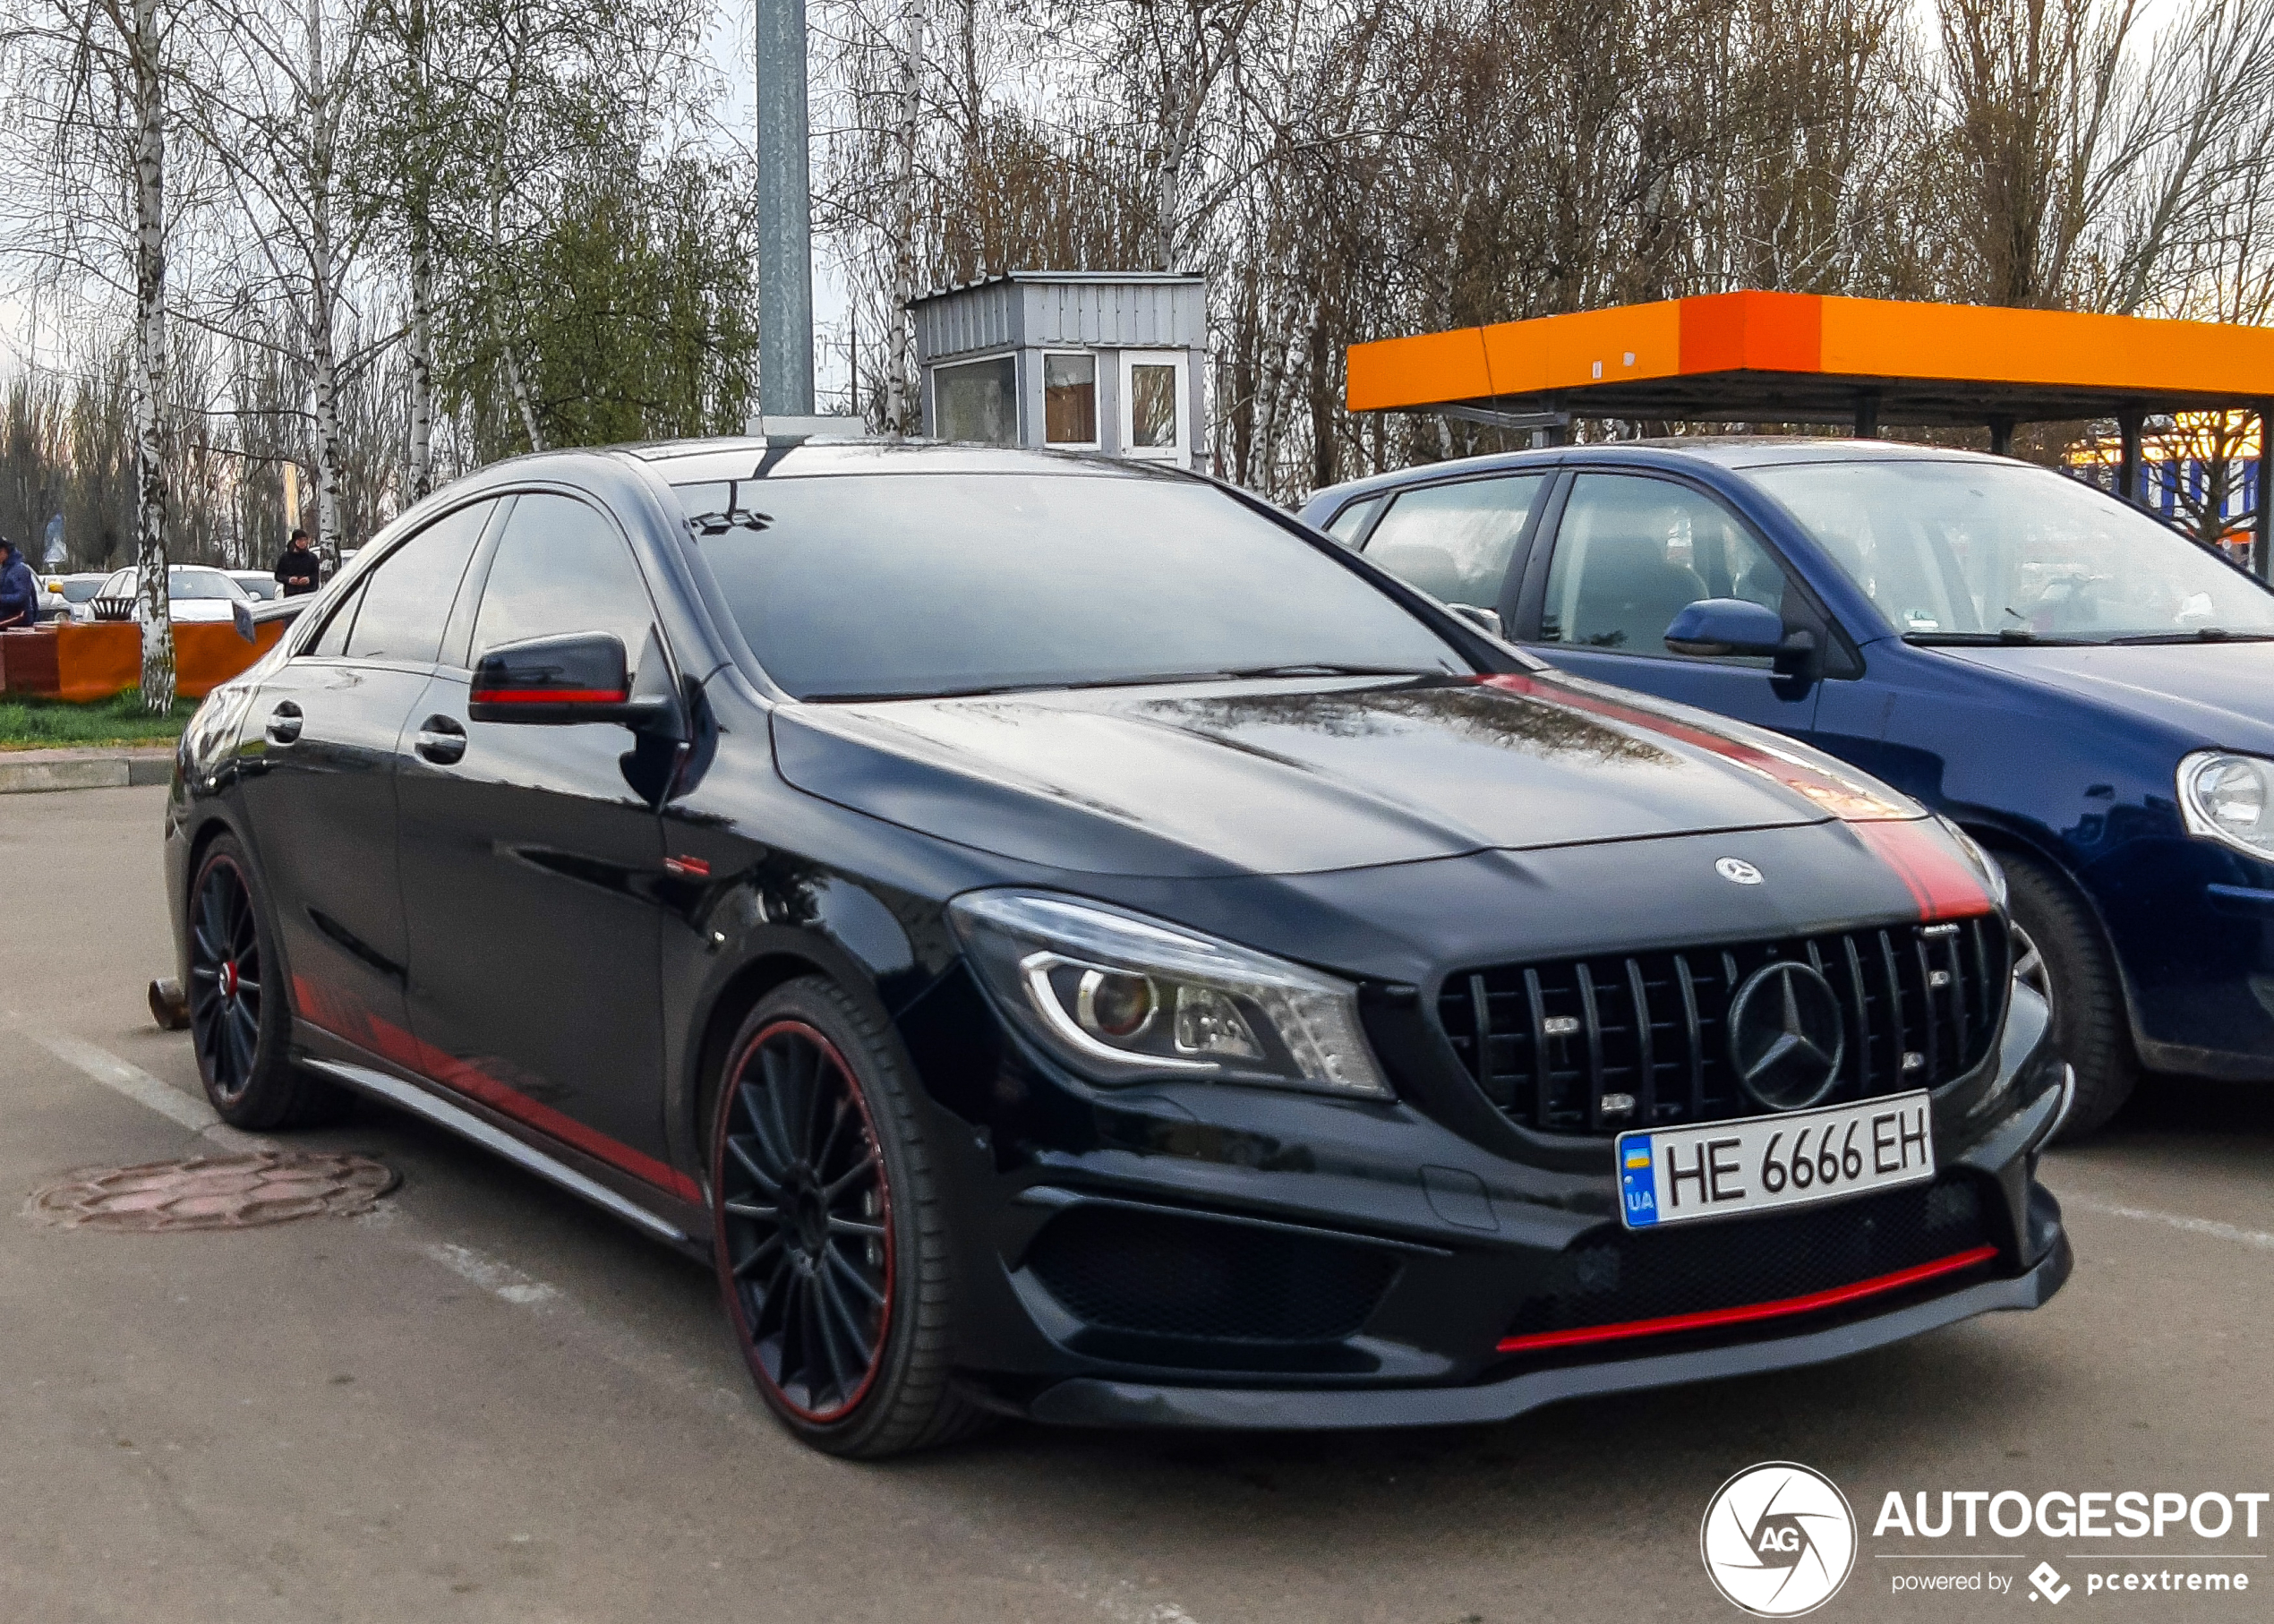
1453	542
407	598
1634	552
1348	525
561	567
332	641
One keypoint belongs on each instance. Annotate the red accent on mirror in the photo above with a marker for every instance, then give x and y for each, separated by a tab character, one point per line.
550	695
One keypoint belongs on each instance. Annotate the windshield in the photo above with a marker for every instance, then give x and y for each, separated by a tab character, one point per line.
204	584
77	592
1953	549
866	586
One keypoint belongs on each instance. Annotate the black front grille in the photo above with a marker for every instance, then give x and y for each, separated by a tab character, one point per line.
1652	1274
1549	1044
1161	1275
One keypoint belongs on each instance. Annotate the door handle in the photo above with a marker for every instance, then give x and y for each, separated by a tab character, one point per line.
284	724
442	740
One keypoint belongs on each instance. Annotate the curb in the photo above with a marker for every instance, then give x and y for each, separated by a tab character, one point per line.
41	772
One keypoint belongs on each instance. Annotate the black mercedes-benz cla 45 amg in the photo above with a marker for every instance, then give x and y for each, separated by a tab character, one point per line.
1064	940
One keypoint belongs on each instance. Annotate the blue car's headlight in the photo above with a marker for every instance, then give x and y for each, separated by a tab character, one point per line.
1121	998
2230	797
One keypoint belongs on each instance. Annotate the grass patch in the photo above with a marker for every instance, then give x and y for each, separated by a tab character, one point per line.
28	724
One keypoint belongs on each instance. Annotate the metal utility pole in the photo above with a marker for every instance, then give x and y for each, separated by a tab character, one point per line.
786	214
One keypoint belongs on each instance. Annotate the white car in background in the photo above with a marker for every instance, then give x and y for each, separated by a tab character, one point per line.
59	595
198	594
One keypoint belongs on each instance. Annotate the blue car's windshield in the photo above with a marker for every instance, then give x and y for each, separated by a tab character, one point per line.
852	587
1956	548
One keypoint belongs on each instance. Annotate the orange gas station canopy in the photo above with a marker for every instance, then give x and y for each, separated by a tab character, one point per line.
1818	358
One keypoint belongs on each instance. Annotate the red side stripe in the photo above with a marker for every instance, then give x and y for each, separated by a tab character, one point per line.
1710	1318
548	696
343	1017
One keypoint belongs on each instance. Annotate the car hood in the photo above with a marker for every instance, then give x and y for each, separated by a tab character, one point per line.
2205	694
1276	778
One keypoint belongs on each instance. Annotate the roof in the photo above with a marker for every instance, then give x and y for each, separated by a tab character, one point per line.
1062	278
1754	356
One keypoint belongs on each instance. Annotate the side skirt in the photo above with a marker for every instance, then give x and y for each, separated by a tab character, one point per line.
466	1126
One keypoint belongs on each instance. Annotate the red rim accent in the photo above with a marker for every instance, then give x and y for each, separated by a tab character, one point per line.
718	1223
548	696
1713	1317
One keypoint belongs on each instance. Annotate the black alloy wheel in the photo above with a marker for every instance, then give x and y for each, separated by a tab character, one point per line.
804	1208
830	1239
226	978
239	1020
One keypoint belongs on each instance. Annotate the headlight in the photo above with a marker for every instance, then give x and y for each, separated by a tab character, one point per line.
2230	797
1992	876
1122	999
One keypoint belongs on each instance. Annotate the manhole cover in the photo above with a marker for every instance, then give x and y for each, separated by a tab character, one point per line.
213	1192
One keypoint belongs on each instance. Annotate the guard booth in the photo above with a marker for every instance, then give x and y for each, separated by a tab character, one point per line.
1073	360
1755	357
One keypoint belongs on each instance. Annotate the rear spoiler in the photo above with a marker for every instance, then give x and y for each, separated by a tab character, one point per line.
251	617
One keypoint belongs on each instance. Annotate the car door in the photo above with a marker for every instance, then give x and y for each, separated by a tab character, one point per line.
530	863
1630	551
1457	541
318	780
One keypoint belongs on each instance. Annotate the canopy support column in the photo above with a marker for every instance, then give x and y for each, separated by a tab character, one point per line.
2128	459
2262	510
1868	415
2001	436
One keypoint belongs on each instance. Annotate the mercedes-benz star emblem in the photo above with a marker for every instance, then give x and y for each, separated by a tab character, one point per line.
1786	1036
1737	871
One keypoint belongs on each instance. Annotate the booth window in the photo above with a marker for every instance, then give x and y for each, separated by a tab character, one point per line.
976	401
1070	399
1152	402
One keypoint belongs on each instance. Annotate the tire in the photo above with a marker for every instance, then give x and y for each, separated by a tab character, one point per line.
829	1236
240	1020
2058	950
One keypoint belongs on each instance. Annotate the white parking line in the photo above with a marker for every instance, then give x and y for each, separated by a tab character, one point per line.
2177	1220
502	1279
136	1085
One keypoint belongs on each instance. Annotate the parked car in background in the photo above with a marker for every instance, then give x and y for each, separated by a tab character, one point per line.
259	585
2086	692
198	594
1064	939
60	594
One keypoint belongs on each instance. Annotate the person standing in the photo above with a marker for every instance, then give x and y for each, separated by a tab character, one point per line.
19	590
297	570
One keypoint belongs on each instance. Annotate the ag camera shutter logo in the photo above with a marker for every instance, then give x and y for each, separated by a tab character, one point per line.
1779	1540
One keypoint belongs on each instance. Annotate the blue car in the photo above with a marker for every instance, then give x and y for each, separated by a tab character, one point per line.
2078	686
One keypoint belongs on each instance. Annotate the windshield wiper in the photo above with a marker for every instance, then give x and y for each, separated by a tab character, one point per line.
2201	634
1141	679
2014	635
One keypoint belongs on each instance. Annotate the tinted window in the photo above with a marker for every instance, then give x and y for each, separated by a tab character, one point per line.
1453	542
1632	553
332	641
867	584
409	592
562	568
1979	549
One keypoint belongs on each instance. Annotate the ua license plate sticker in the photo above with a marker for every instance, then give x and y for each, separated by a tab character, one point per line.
1760	1164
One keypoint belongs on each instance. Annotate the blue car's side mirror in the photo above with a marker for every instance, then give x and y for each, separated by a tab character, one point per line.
1727	626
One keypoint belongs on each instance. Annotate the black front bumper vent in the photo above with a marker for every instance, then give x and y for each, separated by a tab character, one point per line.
1550	1043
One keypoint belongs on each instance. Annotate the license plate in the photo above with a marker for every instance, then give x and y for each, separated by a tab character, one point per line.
1758	1163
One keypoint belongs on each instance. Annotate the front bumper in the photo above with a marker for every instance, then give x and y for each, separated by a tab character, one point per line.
1089	1401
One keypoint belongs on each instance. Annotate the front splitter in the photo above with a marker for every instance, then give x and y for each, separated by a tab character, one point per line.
1093	1402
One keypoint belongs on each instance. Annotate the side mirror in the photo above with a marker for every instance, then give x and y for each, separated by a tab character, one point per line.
1486	620
1727	626
580	678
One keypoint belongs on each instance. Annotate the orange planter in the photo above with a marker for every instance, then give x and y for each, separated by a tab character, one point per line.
96	660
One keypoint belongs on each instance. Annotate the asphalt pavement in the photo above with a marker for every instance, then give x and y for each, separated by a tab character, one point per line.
483	1401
